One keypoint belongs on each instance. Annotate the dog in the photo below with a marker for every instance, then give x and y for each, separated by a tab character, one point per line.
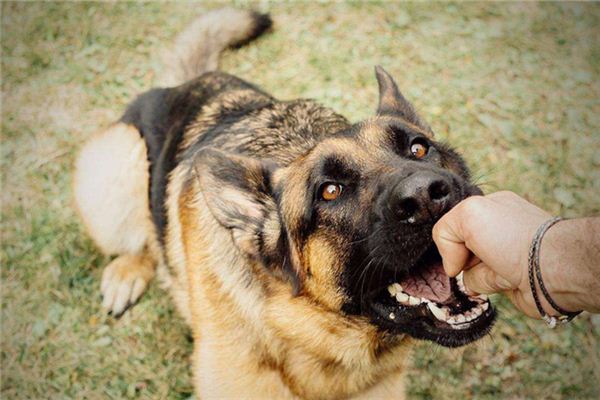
296	245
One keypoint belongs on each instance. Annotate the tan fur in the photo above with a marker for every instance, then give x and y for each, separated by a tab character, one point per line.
111	170
319	253
125	279
252	337
197	48
111	194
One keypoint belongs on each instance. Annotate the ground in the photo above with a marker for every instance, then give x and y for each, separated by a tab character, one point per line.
513	86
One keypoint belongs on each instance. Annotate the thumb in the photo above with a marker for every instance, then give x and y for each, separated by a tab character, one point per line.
482	279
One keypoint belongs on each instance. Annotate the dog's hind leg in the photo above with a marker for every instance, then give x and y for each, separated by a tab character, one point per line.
124	280
111	194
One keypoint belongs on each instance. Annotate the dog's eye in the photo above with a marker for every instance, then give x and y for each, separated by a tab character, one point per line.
419	148
331	191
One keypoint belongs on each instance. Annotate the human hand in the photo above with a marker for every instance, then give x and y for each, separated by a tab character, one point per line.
489	237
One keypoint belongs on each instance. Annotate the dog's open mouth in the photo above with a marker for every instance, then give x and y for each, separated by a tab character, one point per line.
428	304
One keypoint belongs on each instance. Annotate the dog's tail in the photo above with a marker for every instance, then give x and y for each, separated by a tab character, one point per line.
197	48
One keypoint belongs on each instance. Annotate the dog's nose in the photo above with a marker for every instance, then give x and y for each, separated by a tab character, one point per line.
421	197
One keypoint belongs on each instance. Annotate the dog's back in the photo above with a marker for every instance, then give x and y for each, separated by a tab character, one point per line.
122	174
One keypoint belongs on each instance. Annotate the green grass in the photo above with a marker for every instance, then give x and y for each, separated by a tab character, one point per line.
515	87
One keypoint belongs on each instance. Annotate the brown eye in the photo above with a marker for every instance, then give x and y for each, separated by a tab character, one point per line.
331	191
419	149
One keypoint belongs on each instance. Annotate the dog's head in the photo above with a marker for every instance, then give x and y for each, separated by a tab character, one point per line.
349	223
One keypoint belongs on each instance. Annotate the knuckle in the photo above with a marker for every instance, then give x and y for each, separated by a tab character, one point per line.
471	205
506	194
470	213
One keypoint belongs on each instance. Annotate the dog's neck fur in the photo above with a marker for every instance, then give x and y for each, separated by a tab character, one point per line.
243	328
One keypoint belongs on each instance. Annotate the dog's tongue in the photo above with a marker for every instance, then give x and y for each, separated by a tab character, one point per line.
430	283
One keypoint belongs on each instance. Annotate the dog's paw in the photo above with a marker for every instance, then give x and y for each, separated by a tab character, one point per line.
124	280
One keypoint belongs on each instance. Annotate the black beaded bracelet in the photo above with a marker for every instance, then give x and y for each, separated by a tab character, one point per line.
535	271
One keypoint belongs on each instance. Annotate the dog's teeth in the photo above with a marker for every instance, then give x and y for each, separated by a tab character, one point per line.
413	301
402	297
461	283
485	306
470	315
451	320
461	318
439	313
394	288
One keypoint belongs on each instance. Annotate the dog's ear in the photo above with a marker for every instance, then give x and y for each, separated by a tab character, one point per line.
392	102
238	193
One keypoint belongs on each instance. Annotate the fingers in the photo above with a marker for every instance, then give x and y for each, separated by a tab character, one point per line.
449	239
473	261
482	279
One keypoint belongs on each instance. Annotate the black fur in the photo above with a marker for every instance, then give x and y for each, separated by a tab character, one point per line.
262	23
162	116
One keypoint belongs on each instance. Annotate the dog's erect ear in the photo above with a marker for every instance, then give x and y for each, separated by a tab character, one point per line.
238	193
392	102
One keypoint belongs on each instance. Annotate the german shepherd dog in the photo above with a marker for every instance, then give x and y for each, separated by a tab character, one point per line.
297	245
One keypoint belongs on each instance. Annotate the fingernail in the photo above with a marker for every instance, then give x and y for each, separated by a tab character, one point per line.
450	270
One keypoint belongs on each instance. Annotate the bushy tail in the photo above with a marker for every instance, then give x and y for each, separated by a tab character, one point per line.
197	48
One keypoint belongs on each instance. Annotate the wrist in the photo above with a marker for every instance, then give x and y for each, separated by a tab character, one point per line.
566	266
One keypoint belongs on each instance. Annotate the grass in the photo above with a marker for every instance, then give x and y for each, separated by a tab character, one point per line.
515	87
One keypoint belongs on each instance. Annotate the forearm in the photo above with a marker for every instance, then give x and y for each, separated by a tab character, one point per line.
570	264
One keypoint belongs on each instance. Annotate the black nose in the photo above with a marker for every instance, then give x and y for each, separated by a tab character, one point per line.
421	197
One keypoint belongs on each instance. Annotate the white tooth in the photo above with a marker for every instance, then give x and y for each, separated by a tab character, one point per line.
391	290
460	282
461	318
413	301
402	297
437	312
486	306
477	311
470	315
451	320
394	288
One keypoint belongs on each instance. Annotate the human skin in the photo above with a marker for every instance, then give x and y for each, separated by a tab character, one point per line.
488	237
